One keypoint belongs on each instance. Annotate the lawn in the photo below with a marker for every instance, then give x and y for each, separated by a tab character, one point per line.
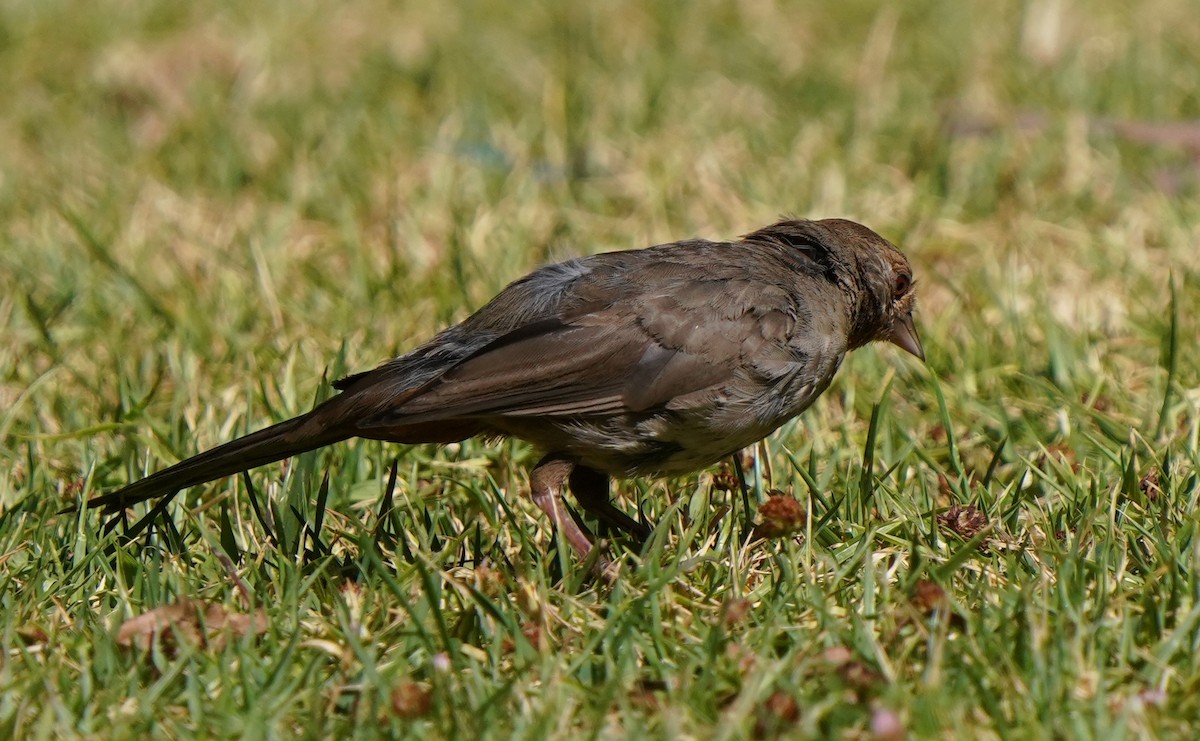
208	211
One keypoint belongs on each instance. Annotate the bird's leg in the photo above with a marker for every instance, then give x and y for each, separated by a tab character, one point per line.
546	482
590	488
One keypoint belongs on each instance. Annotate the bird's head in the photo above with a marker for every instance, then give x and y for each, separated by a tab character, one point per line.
872	275
882	283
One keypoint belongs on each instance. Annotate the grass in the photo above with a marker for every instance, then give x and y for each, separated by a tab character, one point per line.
206	212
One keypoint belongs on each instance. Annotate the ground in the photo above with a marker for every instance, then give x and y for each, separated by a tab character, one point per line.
208	211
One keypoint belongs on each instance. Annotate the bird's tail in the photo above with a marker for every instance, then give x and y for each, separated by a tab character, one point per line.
274	443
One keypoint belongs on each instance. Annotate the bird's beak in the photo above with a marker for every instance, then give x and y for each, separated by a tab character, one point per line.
904	336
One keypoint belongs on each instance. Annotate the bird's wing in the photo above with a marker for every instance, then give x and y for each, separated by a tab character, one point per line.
568	369
659	338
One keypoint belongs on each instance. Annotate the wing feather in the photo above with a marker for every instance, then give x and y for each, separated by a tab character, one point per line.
631	332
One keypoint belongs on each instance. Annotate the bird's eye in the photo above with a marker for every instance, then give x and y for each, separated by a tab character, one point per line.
903	283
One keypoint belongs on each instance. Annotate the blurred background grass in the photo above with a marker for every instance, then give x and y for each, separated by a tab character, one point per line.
207	209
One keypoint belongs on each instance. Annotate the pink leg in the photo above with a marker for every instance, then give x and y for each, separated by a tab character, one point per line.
546	482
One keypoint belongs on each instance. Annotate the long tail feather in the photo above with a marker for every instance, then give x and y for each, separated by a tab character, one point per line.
272	444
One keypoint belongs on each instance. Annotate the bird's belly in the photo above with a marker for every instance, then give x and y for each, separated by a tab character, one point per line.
665	442
701	445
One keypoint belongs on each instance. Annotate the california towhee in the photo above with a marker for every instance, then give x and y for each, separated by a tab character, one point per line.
654	361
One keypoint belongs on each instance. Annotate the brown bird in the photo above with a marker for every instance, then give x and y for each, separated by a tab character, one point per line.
645	362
